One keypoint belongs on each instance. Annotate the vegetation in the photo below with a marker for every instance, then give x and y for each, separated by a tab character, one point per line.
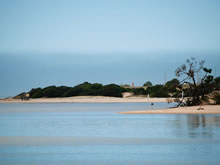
217	83
158	91
112	90
172	85
96	89
195	89
84	89
147	84
139	91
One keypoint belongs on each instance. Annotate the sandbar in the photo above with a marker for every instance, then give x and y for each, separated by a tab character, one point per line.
205	109
88	99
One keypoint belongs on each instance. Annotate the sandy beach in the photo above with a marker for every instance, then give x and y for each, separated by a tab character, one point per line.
87	99
206	109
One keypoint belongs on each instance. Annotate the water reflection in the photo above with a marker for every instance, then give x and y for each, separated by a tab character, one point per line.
202	125
196	126
196	121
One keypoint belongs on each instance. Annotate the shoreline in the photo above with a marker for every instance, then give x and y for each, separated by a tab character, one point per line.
89	99
204	109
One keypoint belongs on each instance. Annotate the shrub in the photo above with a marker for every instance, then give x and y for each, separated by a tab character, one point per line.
158	91
36	93
139	91
147	84
112	90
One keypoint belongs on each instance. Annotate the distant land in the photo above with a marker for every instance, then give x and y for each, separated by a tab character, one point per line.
97	92
110	90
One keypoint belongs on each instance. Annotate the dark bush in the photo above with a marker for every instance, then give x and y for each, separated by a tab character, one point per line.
172	85
158	91
147	84
36	93
112	90
139	91
50	91
217	83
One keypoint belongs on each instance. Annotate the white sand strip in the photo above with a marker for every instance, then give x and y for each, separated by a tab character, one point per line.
87	99
206	109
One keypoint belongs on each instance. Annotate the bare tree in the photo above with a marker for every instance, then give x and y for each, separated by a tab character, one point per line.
188	73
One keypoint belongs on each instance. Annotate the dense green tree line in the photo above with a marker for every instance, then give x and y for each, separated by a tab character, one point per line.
172	88
159	90
96	89
84	89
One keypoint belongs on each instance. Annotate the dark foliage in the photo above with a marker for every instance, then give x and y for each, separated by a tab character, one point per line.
196	89
147	84
139	91
87	89
158	91
172	85
36	93
171	88
112	90
217	83
84	89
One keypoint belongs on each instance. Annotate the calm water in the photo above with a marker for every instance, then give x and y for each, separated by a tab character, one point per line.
94	133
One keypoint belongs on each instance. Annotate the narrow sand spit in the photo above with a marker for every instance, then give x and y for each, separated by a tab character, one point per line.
206	109
87	99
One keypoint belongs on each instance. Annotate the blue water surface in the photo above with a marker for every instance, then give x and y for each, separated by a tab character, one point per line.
95	133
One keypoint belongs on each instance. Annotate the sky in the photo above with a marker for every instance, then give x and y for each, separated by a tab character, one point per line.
67	42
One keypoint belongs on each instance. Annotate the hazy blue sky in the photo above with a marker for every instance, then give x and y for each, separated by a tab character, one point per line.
66	42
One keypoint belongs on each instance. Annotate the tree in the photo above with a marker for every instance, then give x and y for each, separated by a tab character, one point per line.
189	71
147	84
112	90
158	91
36	93
139	91
172	85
